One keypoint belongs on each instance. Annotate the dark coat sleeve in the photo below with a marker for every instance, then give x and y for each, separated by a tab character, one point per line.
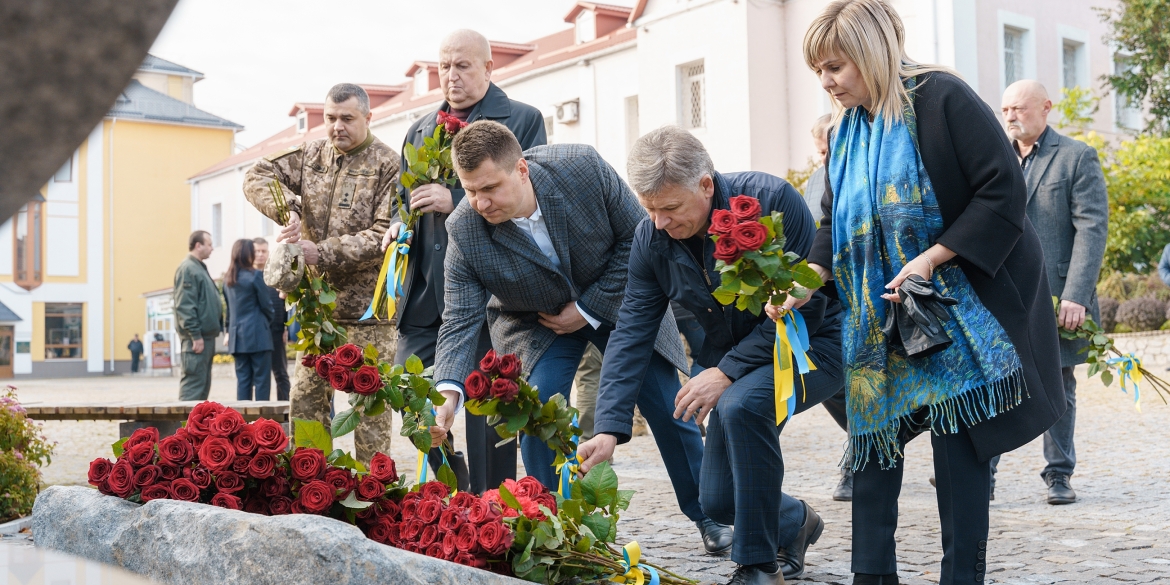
530	129
262	297
625	214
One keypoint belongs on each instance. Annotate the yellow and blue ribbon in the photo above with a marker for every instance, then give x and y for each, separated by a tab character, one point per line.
568	470
789	358
1130	366
635	573
391	279
424	465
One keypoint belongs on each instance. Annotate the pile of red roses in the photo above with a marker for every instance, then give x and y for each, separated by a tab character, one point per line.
346	370
497	377
738	229
529	493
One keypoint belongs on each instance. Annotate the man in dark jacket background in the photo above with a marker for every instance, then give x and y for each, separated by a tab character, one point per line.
465	70
672	260
277	326
198	317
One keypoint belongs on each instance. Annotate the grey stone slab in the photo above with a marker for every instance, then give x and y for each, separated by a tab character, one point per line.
183	543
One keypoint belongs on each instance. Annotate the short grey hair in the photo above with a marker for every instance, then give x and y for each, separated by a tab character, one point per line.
667	156
343	91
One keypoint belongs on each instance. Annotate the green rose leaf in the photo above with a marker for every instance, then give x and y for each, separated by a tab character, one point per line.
447	476
345	422
599	525
414	365
599	486
422	440
311	433
509	499
119	446
352	502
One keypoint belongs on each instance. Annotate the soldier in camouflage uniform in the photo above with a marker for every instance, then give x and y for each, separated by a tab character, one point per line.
339	191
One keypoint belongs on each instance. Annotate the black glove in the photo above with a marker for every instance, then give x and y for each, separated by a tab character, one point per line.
915	324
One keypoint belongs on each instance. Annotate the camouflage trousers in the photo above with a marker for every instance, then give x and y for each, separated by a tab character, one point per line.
310	396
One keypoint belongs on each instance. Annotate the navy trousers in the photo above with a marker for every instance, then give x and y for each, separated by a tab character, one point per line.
680	444
253	371
963	485
743	468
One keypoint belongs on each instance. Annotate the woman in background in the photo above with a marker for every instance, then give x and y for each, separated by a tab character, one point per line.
248	315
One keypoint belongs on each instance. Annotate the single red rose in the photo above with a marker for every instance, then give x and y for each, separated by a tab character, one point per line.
462	500
382	468
296	508
428	536
145	435
274	486
226	501
411	529
745	208
217	454
495	538
531	510
226	424
494	495
409	510
175	450
147	475
434	490
316	496
104	488
170	472
140	454
307	463
200	417
410	497
548	501
451	124
379	532
478	386
99	470
490	364
435	551
749	235
229	482
241	463
309	360
367	380
342	481
323	365
388	509
182	433
279	505
531	486
470	561
452	518
726	249
722	221
505	389
449	548
348	355
510	366
245	441
341	378
262	466
369	489
428	511
482	511
121	479
158	491
256	505
199	476
183	489
269	435
393	532
467	538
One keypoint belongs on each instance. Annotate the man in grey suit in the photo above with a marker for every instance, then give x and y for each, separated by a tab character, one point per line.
1069	207
543	240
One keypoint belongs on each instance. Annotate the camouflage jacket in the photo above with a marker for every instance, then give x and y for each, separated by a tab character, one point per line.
344	203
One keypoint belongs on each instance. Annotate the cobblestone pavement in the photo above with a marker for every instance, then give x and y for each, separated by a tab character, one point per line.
1119	531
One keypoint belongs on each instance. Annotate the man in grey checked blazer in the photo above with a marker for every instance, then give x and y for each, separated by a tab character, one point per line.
1069	206
542	241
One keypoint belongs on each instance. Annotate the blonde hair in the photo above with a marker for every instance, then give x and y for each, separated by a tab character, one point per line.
869	33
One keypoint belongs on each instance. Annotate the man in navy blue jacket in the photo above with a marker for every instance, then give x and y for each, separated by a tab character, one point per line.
671	259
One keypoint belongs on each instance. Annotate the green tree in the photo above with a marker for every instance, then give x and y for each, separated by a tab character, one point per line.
1141	30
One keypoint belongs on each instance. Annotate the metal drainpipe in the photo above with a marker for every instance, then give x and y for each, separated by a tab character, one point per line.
111	228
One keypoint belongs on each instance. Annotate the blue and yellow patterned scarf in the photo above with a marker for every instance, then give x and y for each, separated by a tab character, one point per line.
885	214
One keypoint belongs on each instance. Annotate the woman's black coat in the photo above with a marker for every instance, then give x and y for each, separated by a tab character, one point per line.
982	196
249	313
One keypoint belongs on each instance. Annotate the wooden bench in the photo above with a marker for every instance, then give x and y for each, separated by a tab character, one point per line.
165	416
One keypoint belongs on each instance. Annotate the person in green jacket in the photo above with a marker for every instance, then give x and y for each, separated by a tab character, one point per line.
198	317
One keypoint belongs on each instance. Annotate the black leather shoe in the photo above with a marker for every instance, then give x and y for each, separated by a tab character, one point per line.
791	559
844	491
1059	491
861	579
716	536
752	575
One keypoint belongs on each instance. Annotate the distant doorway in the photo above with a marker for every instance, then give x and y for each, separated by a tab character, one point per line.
5	351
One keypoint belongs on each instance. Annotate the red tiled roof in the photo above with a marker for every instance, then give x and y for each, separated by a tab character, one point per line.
600	9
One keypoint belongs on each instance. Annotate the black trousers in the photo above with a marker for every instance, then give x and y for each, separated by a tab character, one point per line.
280	364
485	465
963	491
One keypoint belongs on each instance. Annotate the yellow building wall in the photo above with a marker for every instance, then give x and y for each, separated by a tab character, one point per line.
151	214
37	347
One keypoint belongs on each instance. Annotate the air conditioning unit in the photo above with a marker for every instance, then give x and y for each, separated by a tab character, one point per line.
567	112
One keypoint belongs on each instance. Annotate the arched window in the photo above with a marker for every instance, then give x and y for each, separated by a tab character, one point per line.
29	249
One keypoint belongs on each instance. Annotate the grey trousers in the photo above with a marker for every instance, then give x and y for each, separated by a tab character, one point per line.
1059	450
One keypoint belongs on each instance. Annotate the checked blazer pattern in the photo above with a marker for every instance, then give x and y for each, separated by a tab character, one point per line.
591	215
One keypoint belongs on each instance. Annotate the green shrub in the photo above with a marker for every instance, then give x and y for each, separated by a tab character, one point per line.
19	481
23	451
1123	287
1108	306
1122	328
1142	314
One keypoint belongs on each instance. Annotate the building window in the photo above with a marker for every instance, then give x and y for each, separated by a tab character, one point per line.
586	26
422	81
62	331
1126	112
548	129
693	89
302	121
217	225
29	247
65	173
632	123
1013	55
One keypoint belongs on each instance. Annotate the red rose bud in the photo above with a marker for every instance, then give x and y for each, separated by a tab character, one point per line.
462	500
510	366
296	508
369	489
121	479
183	489
749	235
170	472
382	468
217	454
262	466
449	548
726	249
229	482
244	441
428	511
435	551
274	486
477	386
279	505
199	476
146	435
139	455
467	539
483	511
348	355
490	364
309	360
434	490
341	378
175	450
316	496
255	505
451	519
226	501
307	463
269	436
148	475
722	221
529	486
505	390
199	419
226	423
548	501
323	365
745	208
367	380
428	536
99	470
342	481
158	491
